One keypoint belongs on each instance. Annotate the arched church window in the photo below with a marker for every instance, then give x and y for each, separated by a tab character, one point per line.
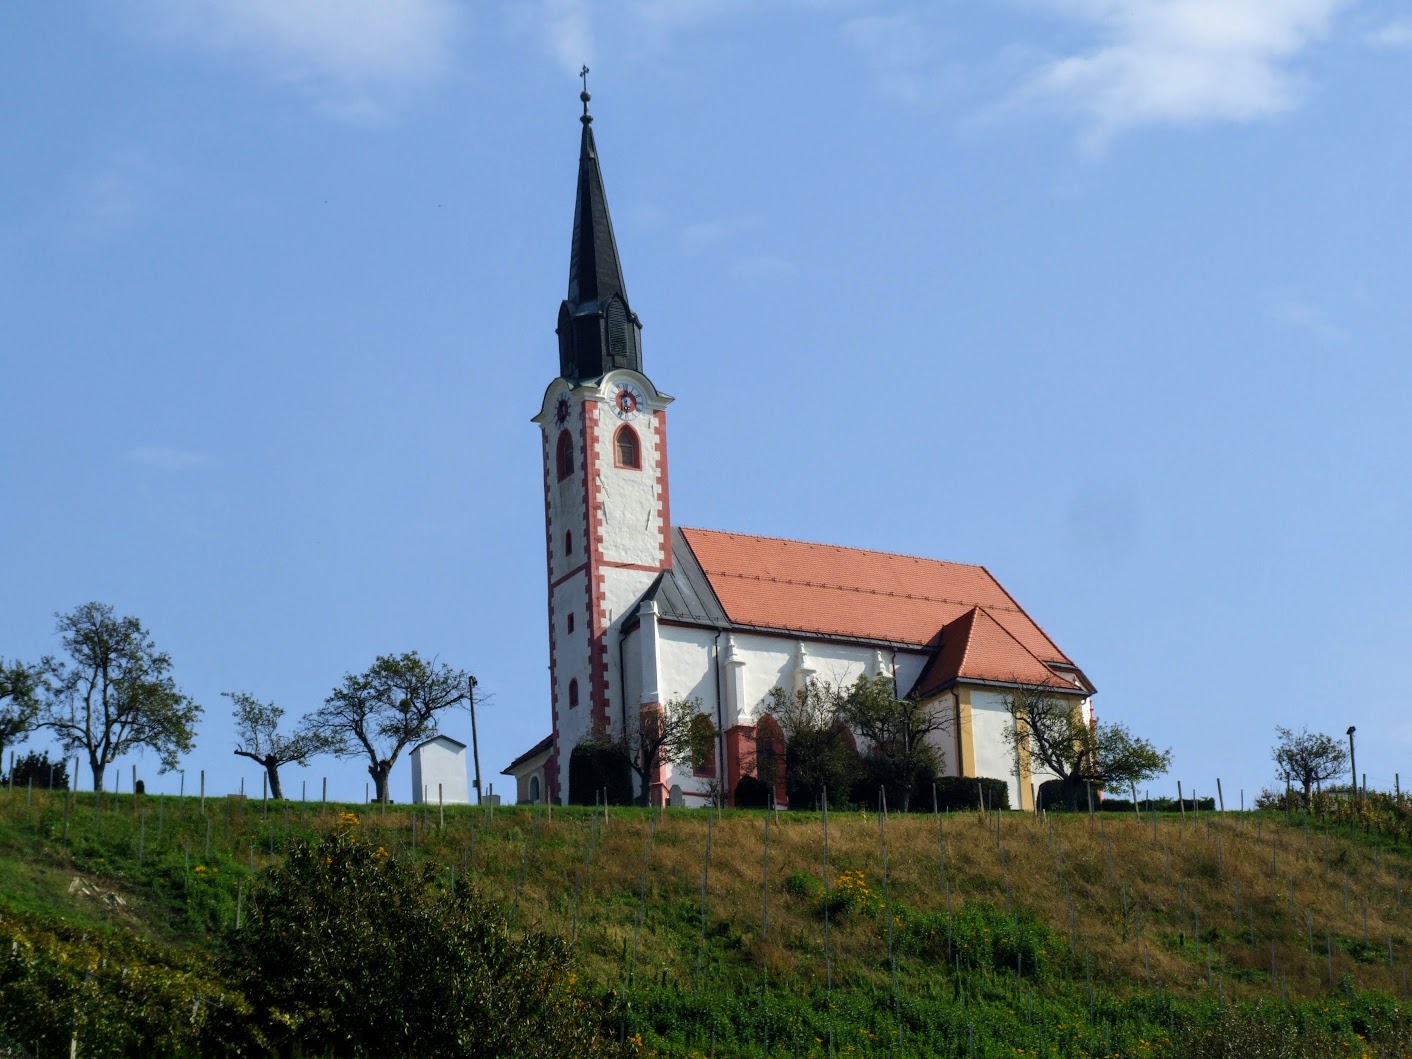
769	755
568	544
573	694
564	455
570	623
534	789
703	746
627	448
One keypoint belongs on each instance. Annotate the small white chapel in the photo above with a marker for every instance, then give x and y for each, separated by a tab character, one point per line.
642	611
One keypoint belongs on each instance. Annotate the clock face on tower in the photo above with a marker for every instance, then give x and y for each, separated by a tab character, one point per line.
561	412
627	401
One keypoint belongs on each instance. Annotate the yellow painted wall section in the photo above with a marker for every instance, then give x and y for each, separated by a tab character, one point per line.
965	734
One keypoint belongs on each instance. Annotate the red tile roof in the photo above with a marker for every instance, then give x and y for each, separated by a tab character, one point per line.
856	594
977	647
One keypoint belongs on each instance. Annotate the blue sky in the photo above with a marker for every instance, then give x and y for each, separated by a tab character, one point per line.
1110	296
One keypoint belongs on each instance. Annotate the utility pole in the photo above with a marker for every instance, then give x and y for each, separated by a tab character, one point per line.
475	745
1353	763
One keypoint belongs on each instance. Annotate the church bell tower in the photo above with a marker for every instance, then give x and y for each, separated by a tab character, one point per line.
603	427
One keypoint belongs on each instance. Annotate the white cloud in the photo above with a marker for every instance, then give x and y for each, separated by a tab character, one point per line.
165	457
1181	61
355	56
565	28
1393	35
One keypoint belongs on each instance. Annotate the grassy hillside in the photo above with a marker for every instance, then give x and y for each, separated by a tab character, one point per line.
970	934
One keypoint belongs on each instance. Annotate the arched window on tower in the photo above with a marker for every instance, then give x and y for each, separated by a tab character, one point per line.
564	455
574	694
568	544
627	450
569	624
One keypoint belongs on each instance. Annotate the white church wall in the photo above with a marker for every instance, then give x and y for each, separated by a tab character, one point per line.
688	671
621	590
771	661
632	675
571	662
566	498
990	725
945	740
687	668
630	516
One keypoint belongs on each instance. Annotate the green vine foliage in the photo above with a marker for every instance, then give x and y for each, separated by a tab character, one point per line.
113	993
347	951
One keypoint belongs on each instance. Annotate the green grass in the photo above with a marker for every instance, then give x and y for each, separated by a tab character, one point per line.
1113	922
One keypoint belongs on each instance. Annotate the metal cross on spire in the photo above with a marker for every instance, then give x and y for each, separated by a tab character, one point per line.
587	117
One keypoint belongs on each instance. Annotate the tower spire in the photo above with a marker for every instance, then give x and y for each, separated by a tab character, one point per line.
597	329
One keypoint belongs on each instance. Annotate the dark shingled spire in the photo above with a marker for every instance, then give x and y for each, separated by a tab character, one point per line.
597	329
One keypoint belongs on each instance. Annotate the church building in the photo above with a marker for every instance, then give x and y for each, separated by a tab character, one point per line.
642	611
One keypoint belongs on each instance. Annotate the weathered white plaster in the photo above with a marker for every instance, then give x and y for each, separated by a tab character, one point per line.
440	762
991	725
529	774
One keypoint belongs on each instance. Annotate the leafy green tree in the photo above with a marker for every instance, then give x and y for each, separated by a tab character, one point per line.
1052	730
114	693
257	725
35	769
598	769
20	686
899	731
818	754
348	951
1308	758
378	713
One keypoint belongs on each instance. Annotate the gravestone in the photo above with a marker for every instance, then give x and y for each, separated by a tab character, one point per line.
675	798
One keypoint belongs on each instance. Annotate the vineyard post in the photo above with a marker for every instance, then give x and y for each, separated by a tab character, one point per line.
828	898
765	937
705	881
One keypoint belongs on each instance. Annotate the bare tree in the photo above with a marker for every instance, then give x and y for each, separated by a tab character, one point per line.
1308	758
1051	728
115	692
257	725
668	734
20	687
898	731
379	712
